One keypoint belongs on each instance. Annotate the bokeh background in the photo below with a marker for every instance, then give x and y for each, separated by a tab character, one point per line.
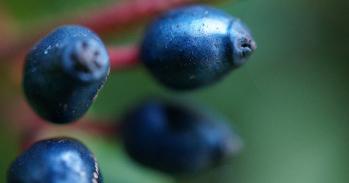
289	102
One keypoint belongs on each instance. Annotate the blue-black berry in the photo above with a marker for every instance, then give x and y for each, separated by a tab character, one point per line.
64	72
176	139
59	160
195	46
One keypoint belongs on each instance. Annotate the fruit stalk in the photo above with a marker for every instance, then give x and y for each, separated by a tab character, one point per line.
110	19
105	129
123	57
31	126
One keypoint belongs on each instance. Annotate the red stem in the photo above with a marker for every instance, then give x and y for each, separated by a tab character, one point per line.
111	19
123	57
32	127
97	127
117	16
102	129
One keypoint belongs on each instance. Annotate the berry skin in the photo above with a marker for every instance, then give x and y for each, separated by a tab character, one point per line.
195	46
64	72
59	160
175	139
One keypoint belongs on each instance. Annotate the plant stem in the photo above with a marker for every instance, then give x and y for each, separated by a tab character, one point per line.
110	19
123	57
39	128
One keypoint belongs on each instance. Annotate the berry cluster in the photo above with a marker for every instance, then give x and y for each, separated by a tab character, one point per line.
184	49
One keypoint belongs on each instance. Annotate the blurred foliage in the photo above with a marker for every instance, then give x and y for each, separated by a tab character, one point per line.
289	102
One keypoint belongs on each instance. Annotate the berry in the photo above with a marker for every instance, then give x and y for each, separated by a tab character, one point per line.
191	47
64	72
59	160
176	139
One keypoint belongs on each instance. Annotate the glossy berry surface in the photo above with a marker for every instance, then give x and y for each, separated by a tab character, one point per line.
64	72
195	46
175	139
60	160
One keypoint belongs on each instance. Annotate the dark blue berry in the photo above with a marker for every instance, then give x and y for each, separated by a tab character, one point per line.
175	139
64	72
195	46
59	160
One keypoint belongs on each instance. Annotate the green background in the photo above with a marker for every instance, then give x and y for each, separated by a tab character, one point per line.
289	102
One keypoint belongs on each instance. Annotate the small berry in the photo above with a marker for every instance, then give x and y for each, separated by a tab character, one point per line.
59	160
64	72
191	47
176	139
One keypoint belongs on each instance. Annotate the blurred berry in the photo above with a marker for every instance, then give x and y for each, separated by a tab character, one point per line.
64	72
195	46
176	139
59	160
